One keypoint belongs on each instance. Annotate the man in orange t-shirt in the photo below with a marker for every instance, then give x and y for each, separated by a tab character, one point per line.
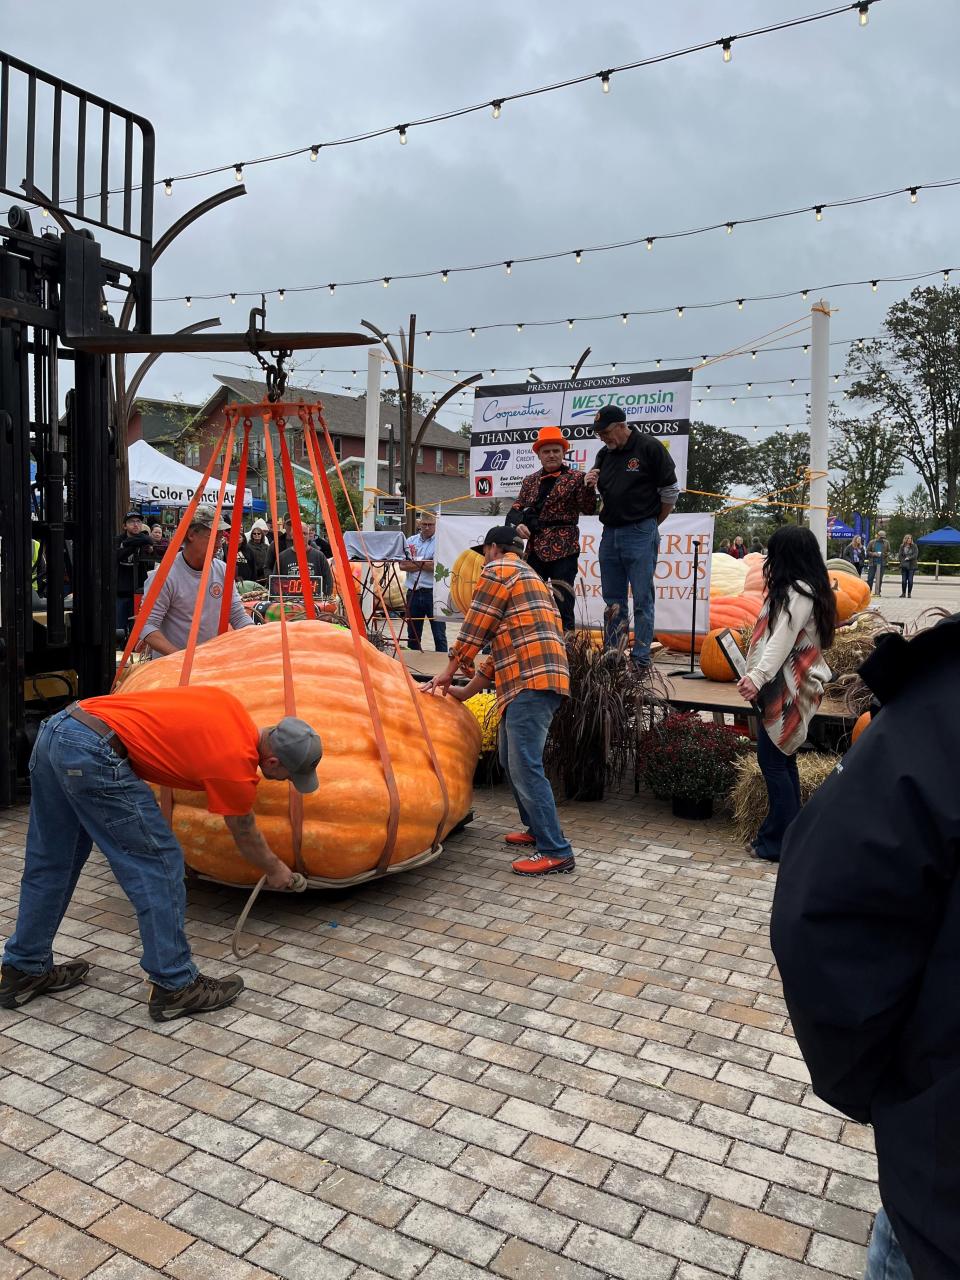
88	776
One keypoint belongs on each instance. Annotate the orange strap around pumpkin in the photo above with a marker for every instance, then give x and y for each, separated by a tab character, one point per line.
411	686
357	632
236	528
293	506
270	413
160	576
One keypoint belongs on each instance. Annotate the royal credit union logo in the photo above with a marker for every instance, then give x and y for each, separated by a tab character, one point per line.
495	460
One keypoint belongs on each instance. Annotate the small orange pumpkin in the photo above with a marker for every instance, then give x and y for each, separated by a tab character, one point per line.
463	579
862	723
725	611
713	664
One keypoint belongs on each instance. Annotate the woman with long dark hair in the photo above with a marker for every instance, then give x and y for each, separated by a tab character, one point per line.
786	671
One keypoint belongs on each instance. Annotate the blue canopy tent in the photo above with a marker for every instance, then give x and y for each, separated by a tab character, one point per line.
945	537
838	531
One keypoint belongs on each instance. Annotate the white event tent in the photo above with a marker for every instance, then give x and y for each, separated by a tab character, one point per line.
164	482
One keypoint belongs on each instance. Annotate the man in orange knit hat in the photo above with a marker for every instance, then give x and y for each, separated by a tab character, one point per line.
546	513
88	778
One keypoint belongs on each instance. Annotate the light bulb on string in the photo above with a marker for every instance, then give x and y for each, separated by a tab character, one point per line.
946	277
806	348
508	266
188	301
729	228
727	47
44	213
804	295
624	317
473	333
753	355
873	285
402	131
520	327
913	195
605	81
429	334
679	313
445	275
168	186
238	173
386	282
315	151
281	294
864	11
749	386
739	304
818	212
569	324
658	364
233	299
578	255
332	288
733	399
650	240
497	105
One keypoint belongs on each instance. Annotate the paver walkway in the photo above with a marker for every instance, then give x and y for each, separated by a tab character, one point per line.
448	1075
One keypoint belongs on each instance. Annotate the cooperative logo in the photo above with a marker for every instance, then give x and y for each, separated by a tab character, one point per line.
531	409
495	460
483	487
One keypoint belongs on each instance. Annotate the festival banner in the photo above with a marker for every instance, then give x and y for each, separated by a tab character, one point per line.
506	420
673	580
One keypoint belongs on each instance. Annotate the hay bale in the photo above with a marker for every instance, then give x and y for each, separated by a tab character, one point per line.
748	799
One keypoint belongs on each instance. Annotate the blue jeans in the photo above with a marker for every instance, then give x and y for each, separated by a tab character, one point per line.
783	793
82	791
523	734
419	607
628	558
885	1260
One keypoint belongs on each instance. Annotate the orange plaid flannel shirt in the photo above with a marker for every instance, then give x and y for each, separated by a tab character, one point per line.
514	612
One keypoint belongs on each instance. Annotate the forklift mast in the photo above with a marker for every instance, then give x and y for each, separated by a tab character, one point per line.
58	428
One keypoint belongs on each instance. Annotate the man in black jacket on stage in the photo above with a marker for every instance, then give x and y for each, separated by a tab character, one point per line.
866	931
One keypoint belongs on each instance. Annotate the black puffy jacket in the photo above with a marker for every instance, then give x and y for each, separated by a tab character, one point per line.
866	931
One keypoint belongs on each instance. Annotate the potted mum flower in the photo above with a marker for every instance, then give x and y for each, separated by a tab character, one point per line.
690	762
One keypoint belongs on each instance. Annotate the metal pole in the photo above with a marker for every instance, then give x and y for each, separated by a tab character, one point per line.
371	451
693	673
819	399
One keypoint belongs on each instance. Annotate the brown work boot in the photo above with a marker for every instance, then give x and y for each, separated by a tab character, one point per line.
203	995
18	988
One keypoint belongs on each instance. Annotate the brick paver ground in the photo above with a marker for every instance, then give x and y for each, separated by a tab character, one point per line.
451	1074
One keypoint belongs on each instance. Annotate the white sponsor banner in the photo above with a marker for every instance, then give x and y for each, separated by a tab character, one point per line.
673	579
506	420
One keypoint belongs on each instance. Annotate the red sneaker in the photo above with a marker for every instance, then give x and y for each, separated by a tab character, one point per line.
541	865
519	837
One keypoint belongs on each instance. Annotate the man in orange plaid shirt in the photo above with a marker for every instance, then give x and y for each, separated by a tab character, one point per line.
513	611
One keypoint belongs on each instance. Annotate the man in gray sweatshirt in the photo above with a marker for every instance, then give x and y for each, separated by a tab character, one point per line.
168	626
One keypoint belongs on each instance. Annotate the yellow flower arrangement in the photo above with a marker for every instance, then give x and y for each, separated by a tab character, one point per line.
483	707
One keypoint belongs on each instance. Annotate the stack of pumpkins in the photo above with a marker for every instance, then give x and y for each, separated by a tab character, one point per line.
739	612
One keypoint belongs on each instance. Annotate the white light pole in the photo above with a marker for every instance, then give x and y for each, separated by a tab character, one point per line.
819	397
371	435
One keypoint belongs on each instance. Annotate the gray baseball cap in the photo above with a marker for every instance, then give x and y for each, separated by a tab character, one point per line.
299	750
207	517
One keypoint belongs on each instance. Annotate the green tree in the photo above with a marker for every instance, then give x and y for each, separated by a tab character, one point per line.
421	404
865	455
911	376
718	461
775	467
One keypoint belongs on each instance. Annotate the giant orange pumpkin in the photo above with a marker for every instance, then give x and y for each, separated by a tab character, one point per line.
345	821
862	723
463	579
725	611
712	662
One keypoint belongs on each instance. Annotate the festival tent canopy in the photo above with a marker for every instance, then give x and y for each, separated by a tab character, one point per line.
164	482
837	529
945	537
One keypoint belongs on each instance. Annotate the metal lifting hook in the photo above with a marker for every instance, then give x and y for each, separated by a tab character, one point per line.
275	373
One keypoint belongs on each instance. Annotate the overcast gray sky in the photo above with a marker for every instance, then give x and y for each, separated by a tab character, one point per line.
820	113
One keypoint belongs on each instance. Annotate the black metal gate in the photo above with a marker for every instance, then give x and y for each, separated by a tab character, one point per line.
57	430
